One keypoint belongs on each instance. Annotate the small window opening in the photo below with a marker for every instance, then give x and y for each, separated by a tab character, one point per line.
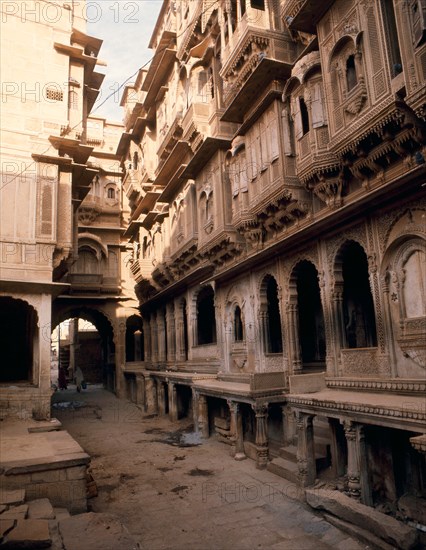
238	325
304	116
351	78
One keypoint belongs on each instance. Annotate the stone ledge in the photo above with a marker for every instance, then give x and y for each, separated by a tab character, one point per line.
28	466
387	528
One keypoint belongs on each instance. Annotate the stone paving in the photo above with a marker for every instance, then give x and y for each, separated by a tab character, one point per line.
175	491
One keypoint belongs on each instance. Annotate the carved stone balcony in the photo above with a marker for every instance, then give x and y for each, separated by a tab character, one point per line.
259	58
303	15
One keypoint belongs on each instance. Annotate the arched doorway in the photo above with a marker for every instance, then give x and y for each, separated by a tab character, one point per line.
311	319
357	304
85	338
18	341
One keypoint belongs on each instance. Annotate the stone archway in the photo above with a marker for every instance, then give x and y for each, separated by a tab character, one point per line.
94	353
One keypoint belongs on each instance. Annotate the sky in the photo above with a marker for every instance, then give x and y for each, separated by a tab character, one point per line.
126	27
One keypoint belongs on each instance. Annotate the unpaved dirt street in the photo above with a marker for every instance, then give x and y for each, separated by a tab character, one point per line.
173	491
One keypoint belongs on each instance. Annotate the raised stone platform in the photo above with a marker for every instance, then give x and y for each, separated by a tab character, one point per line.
45	462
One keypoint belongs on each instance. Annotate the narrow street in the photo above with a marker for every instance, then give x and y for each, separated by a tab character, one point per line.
174	491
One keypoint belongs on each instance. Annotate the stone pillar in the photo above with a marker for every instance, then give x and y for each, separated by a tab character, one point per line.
388	327
337	452
180	332
151	396
339	322
203	416
237	431
171	333
153	332
305	449
264	329
293	327
173	405
358	483
140	390
161	338
195	408
161	397
289	428
73	337
147	340
262	451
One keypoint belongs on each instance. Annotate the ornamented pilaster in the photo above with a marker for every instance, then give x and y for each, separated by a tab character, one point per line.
180	332
153	332
293	327
147	340
171	333
262	451
305	449
161	338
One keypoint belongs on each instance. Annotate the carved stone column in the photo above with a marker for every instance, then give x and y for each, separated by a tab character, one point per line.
180	332
161	338
388	326
339	322
203	416
293	327
358	483
171	333
289	426
264	329
153	332
337	452
147	340
151	396
161	398
305	449
262	451
354	484
173	406
195	408
237	431
140	390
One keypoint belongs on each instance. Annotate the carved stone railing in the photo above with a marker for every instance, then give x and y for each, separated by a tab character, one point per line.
364	362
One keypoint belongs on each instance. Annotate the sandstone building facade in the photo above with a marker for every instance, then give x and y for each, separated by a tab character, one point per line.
274	158
60	177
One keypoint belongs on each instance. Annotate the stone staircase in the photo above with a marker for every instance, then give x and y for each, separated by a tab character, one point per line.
285	464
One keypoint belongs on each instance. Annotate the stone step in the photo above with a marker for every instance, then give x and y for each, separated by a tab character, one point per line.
289	453
283	468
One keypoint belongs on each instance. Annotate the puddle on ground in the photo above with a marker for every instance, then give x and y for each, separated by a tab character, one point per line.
200	472
165	469
180	438
179	458
64	405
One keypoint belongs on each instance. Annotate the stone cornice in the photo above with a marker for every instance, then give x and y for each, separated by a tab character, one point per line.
401	386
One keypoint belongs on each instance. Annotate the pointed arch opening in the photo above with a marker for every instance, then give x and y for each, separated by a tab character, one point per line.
358	307
311	318
206	318
270	316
